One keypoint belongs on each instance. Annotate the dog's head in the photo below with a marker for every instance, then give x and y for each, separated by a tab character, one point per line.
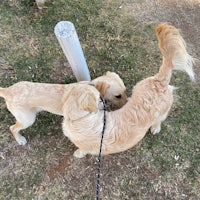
80	99
112	89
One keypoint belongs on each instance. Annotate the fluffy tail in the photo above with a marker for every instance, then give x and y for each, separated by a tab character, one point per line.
173	49
2	93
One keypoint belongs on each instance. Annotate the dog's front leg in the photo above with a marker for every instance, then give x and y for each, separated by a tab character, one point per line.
79	153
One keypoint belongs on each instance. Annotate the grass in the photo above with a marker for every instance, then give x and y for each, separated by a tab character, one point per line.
165	166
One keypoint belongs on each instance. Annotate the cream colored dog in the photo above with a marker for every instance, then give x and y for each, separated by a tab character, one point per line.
148	106
112	89
25	99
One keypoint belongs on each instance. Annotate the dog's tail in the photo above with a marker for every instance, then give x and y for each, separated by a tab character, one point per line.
173	49
2	92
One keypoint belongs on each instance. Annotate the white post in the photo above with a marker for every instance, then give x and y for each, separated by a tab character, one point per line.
68	39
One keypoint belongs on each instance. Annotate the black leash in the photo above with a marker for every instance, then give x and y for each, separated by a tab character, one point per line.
99	157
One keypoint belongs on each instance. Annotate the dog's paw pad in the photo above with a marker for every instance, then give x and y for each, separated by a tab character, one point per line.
21	140
79	154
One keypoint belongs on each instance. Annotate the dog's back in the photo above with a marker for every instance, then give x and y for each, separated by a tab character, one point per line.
40	96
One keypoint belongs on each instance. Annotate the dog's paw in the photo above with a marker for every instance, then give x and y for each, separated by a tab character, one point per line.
79	154
155	130
21	140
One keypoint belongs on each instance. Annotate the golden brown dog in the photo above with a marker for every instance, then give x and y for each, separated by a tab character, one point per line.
148	106
25	99
112	89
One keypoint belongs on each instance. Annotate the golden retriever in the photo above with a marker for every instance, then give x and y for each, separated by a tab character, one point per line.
25	99
148	106
112	89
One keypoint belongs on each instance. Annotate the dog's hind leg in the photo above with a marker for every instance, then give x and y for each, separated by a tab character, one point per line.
156	127
15	131
24	119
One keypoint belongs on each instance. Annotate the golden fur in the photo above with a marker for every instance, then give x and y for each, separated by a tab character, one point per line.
148	106
112	89
25	99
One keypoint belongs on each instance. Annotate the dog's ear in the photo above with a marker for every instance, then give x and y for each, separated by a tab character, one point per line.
110	74
102	86
115	77
88	102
